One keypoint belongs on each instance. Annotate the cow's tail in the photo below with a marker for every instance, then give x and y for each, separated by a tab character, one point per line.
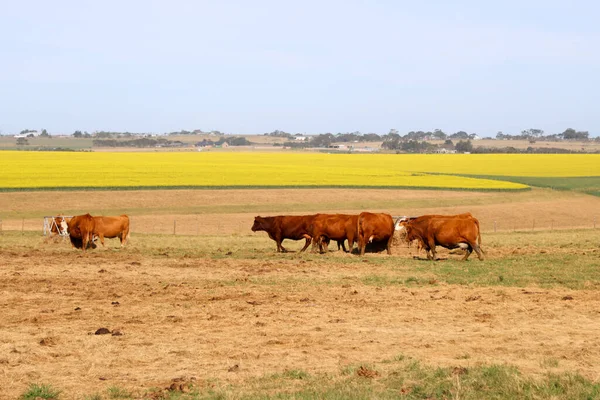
478	235
359	232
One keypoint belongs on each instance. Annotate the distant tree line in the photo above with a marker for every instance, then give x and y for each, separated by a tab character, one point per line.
163	142
140	142
231	141
538	134
195	132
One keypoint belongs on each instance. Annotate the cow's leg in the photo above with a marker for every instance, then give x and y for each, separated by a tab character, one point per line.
308	240
317	243
428	253
323	244
467	249
350	245
362	245
84	241
283	249
478	251
343	246
123	240
278	240
431	245
389	245
433	254
101	236
468	252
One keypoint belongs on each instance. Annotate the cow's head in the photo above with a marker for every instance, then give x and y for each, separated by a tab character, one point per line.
59	225
399	225
258	224
64	228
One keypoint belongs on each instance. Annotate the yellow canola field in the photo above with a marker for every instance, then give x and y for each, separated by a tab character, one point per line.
21	169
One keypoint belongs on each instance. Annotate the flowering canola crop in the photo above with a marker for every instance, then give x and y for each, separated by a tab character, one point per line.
30	170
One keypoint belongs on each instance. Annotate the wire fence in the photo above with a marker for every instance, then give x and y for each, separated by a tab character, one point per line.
228	226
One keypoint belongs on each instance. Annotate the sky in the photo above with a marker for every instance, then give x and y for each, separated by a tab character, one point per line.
250	67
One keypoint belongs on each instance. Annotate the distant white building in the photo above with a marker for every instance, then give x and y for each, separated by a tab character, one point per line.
299	138
28	134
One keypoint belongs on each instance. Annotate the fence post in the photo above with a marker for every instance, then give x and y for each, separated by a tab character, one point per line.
494	226
174	226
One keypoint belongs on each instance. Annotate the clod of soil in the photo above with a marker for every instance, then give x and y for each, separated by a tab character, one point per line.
116	332
233	368
567	298
48	341
102	331
459	371
366	372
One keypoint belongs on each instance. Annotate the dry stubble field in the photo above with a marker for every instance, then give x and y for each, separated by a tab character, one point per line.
216	306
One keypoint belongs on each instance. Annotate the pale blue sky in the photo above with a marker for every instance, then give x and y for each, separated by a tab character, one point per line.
304	66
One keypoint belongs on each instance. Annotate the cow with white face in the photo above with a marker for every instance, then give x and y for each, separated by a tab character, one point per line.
59	225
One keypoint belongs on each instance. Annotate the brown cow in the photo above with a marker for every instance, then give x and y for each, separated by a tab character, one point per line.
401	222
112	227
294	227
338	227
374	228
81	231
451	231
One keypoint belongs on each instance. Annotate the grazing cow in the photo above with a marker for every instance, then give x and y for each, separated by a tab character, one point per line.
112	227
374	228
338	227
81	231
449	231
294	227
58	226
401	222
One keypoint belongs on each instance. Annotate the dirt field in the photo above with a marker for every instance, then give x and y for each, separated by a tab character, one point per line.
218	304
224	312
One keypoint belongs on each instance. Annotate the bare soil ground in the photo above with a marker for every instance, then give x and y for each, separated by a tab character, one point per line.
233	319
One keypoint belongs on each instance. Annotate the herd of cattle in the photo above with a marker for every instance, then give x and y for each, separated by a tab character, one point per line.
449	231
429	231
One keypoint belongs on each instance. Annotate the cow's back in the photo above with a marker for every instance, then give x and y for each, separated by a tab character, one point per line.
111	225
453	230
334	226
295	226
379	225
